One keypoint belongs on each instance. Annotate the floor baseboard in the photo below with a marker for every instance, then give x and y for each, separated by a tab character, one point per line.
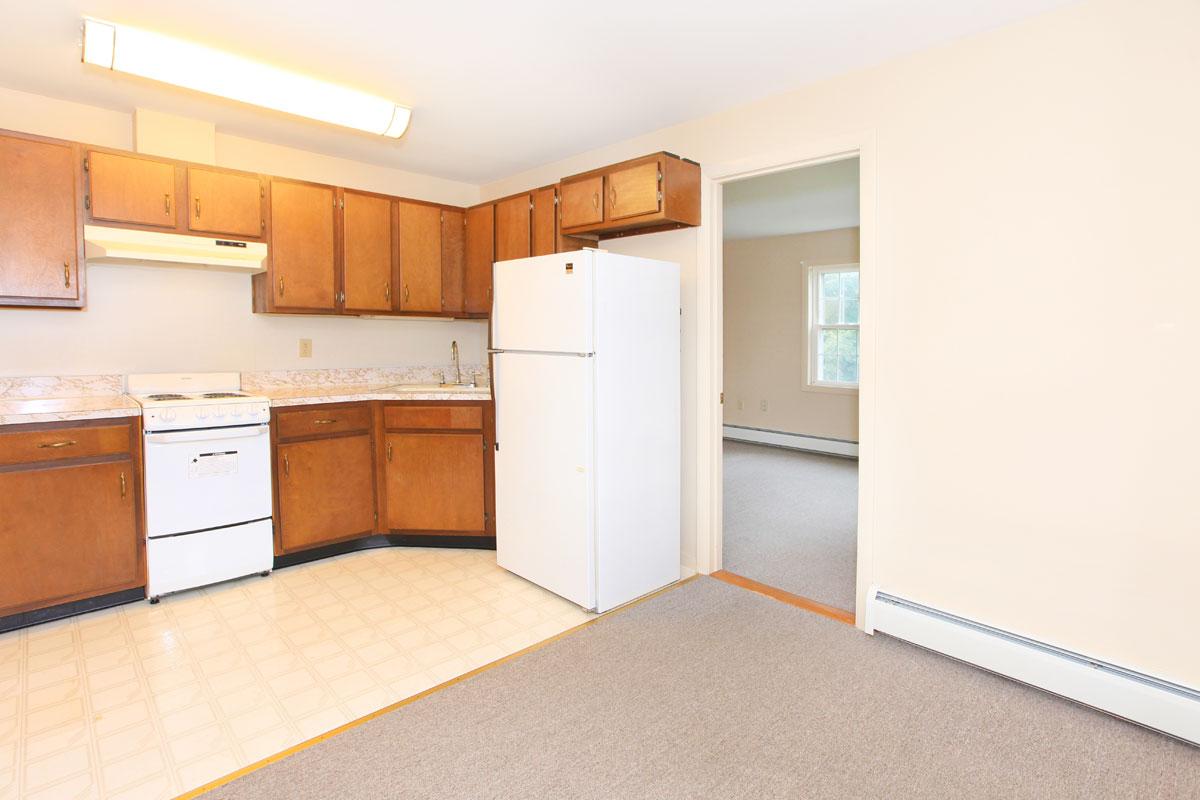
1146	700
791	441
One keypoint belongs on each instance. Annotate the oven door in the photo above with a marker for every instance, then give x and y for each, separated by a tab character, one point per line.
204	479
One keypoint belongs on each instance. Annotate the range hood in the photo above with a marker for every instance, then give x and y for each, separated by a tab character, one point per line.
126	246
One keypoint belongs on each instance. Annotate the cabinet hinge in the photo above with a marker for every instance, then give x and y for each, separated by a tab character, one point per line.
660	197
660	175
85	164
342	203
531	205
556	198
87	201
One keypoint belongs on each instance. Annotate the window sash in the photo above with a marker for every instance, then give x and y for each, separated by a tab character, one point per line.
816	327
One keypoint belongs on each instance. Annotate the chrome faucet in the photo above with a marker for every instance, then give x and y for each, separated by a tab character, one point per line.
457	366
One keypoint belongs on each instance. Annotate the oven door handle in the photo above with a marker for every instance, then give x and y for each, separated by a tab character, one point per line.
207	435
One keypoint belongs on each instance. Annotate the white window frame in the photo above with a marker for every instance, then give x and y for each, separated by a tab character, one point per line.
814	329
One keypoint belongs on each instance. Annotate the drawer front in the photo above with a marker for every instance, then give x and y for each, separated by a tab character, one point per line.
468	418
317	422
31	447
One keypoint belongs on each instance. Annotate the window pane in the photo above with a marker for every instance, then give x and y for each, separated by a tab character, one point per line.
848	342
847	368
829	342
829	367
850	310
830	285
829	311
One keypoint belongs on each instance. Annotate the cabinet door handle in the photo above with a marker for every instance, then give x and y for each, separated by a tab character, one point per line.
406	292
167	203
67	274
387	291
122	485
66	443
281	286
197	208
287	467
324	421
389	452
612	197
596	200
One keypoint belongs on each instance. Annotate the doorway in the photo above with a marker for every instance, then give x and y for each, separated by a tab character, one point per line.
790	277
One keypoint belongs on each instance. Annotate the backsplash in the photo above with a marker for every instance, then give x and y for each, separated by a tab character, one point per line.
364	376
61	386
57	386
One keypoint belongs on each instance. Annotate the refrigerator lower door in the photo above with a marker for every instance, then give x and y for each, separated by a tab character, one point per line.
545	493
544	303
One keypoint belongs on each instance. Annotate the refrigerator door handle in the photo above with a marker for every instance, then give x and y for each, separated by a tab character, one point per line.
542	353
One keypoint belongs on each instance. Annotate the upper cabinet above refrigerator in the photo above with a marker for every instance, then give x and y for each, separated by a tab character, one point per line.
654	193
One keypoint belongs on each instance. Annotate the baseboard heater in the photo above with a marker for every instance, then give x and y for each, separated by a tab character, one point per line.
1155	703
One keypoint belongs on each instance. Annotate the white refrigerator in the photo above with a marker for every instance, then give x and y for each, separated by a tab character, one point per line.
585	373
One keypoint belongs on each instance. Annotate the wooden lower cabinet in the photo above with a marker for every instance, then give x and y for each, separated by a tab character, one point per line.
326	490
435	482
348	470
70	527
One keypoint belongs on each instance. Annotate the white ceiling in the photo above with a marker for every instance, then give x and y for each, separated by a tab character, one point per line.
817	198
496	87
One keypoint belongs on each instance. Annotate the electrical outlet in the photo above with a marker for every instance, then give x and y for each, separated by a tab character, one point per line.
762	405
306	348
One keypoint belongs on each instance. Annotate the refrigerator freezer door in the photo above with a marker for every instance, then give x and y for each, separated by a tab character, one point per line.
545	506
544	304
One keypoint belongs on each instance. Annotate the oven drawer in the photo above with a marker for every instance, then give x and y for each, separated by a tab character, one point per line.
315	422
469	418
31	447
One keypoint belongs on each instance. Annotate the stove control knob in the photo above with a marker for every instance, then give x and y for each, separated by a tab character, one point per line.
237	412
218	412
168	414
201	413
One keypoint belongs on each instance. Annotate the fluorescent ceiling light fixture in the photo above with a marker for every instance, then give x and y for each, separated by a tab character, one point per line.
123	48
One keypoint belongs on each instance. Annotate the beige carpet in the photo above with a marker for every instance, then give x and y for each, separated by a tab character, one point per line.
791	520
709	690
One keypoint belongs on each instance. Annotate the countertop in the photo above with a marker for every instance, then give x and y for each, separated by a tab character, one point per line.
60	409
347	393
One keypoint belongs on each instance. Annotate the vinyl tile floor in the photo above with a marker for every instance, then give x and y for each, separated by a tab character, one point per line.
148	701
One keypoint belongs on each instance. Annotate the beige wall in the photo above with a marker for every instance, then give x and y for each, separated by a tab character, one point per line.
142	319
766	335
1035	406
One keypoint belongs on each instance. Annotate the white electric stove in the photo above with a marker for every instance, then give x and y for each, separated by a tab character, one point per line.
208	479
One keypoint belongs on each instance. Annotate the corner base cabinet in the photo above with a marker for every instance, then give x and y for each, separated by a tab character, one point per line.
438	468
345	471
70	512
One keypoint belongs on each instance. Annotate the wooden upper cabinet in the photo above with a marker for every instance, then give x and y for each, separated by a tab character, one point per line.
420	257
477	281
435	482
453	254
40	231
545	221
582	201
368	252
633	191
132	189
303	259
224	202
513	227
656	192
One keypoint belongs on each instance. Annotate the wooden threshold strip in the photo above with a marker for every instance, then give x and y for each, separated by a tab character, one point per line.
257	765
785	597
